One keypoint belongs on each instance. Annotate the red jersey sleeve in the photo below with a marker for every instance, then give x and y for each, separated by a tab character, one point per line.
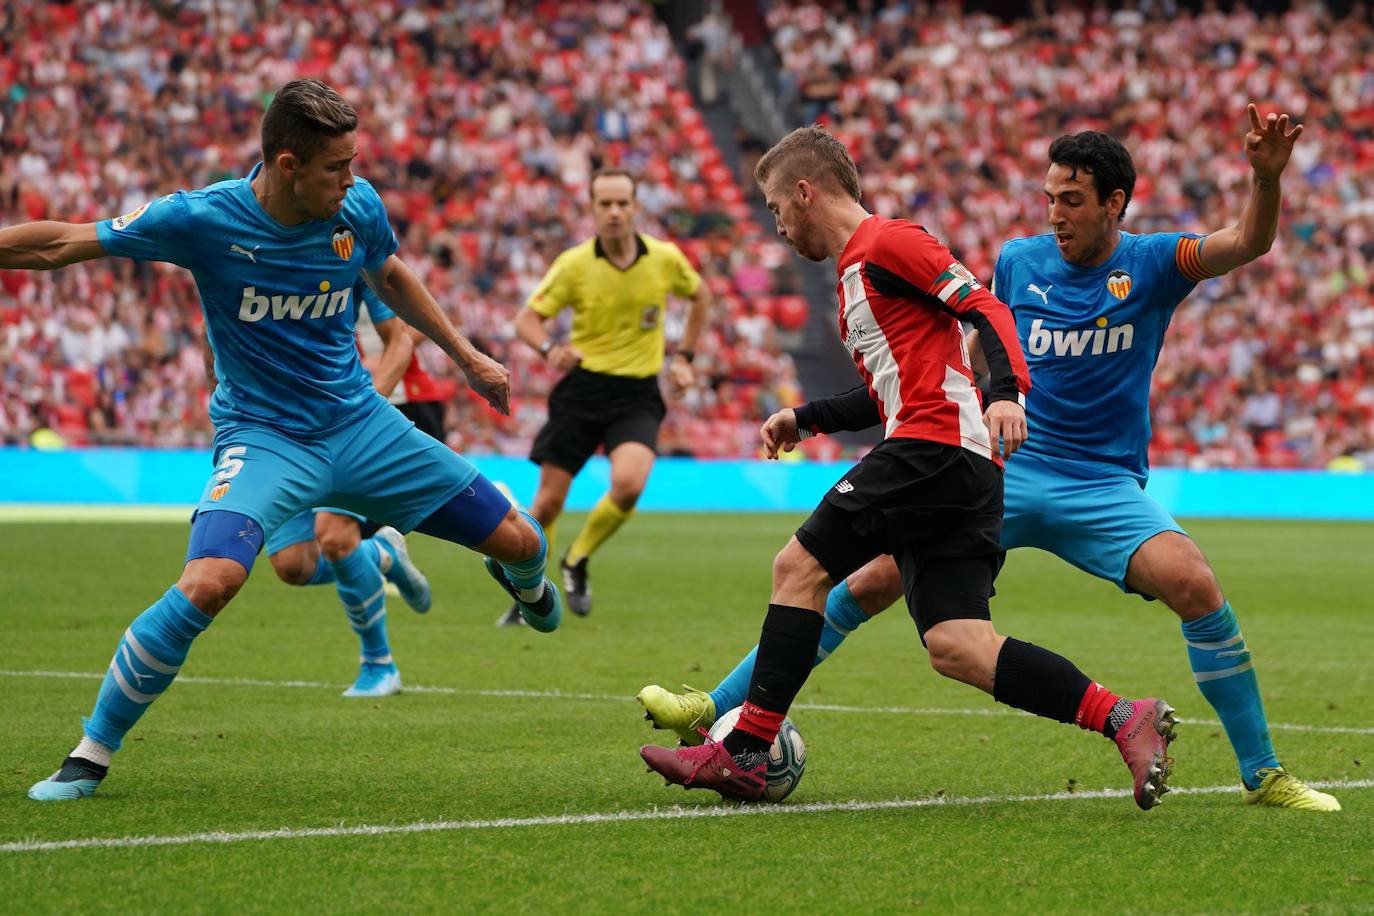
907	261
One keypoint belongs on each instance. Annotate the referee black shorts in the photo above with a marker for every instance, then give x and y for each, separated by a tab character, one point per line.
590	409
936	508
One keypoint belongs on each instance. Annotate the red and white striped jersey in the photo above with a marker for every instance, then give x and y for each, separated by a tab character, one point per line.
416	385
902	297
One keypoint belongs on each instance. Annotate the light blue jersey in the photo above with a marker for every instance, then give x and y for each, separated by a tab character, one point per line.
278	300
377	310
1092	336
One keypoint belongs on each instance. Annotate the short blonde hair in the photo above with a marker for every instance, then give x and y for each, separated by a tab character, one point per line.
812	153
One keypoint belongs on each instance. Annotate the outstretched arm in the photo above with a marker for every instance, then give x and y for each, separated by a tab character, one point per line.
1268	146
48	245
399	288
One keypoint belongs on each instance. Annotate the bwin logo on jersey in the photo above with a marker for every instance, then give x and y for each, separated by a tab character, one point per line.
1080	342
255	308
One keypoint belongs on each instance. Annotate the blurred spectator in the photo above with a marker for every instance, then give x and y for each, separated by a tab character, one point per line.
481	123
950	115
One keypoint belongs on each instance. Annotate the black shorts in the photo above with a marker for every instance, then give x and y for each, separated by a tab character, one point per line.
428	417
936	508
589	409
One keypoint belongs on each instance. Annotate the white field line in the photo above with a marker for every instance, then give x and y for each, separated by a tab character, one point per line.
613	698
64	512
608	817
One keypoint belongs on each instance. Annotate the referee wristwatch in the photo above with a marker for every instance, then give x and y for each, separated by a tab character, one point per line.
545	347
689	355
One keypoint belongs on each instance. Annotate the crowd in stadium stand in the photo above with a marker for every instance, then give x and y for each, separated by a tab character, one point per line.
950	116
480	125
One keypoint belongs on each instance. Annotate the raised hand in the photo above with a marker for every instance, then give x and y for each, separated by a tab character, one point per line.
780	432
1269	143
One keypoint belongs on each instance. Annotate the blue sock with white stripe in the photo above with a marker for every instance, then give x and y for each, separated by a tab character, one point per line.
528	576
324	573
1224	674
362	592
148	658
842	616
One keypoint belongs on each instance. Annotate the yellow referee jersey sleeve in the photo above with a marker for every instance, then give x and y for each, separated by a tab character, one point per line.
617	314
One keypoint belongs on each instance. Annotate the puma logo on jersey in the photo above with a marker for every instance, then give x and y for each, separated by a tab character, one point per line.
254	307
1079	341
250	255
1044	294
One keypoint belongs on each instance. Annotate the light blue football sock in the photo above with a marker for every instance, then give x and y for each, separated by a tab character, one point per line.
528	575
324	573
1226	677
148	658
362	593
842	616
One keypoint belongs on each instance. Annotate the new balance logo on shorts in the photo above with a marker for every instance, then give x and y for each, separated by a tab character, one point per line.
844	486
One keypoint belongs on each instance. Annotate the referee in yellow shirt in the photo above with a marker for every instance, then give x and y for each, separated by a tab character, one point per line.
617	285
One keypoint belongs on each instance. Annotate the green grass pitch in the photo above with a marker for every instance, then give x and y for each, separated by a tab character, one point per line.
513	784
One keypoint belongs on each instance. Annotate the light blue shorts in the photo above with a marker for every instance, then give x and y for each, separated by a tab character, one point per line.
379	466
1091	515
301	527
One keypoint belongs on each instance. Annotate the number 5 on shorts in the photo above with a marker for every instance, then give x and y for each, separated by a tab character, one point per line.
230	463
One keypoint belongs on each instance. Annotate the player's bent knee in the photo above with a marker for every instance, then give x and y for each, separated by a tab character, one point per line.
1194	591
798	577
625	498
291	567
877	586
515	540
955	655
337	542
210	583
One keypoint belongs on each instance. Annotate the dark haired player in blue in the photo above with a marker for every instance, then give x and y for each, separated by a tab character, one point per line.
1092	303
298	423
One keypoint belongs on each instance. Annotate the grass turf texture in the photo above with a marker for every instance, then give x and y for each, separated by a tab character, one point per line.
678	598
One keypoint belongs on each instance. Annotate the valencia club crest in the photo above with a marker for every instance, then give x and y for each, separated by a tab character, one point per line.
1118	283
342	240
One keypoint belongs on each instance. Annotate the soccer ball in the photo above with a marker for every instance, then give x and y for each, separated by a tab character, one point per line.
786	758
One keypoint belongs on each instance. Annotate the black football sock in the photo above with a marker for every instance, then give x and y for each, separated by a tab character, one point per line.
1038	681
786	655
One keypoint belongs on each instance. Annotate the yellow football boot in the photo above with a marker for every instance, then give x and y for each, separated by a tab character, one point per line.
684	713
1279	789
